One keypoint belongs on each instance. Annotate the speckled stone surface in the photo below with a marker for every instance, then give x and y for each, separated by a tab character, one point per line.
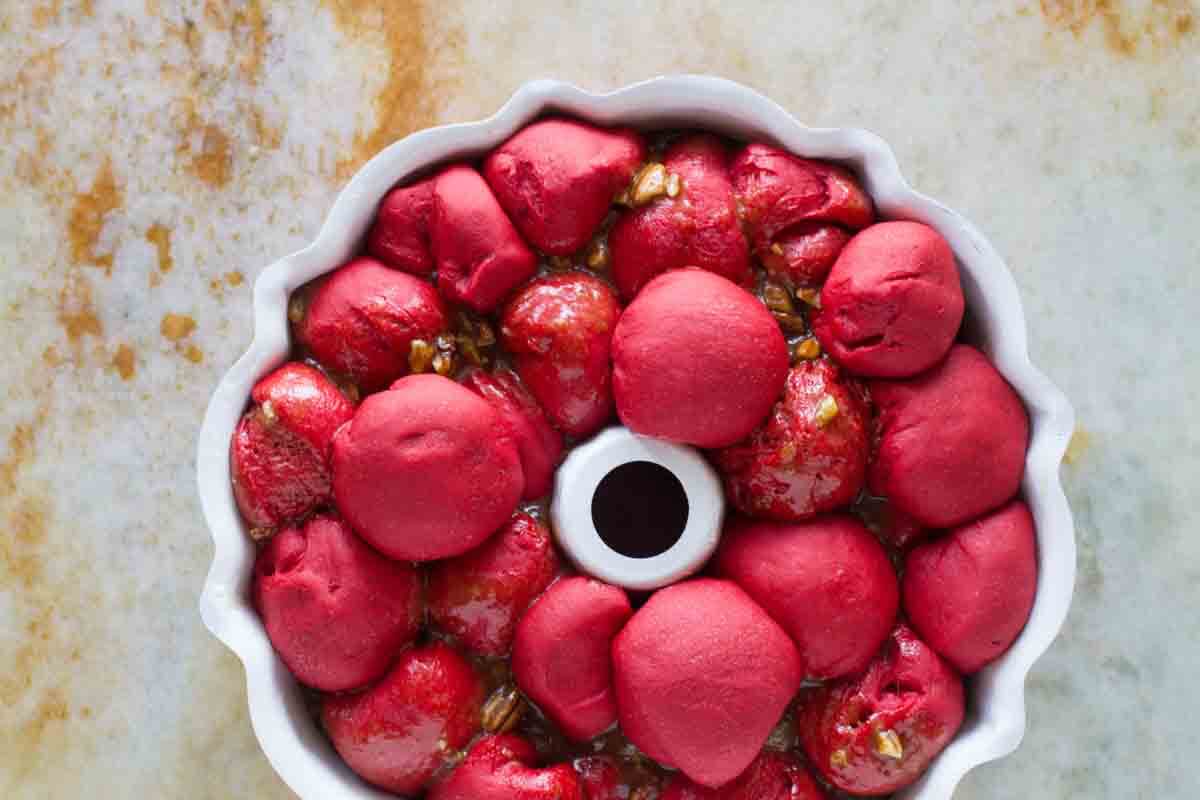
155	155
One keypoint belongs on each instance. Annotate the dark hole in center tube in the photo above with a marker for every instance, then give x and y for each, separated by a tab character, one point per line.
640	509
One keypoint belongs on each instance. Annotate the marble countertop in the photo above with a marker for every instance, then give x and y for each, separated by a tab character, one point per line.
156	154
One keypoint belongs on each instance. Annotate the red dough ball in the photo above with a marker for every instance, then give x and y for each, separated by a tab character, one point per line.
539	445
699	228
702	675
400	235
559	328
361	321
561	654
827	581
804	254
951	441
772	776
557	178
425	470
809	456
304	402
335	610
796	211
480	256
279	452
454	222
405	728
876	733
777	191
501	768
970	592
892	304
478	597
600	778
696	359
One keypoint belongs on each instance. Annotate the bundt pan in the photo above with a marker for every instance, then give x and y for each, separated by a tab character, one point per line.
299	752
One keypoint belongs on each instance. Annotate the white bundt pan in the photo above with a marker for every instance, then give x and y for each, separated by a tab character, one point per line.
996	720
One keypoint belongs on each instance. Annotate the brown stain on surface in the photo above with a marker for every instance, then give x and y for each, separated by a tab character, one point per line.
27	522
204	149
51	708
214	12
22	540
160	236
20	451
190	36
175	327
124	362
246	27
56	616
20	546
1081	440
45	141
212	162
33	166
49	583
18	680
1130	32
45	725
266	136
20	447
77	309
408	100
27	88
45	14
250	20
86	222
234	278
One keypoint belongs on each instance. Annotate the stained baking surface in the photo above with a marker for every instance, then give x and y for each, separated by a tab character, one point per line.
157	155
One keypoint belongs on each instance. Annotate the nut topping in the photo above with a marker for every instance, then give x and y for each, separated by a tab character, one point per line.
503	710
484	335
887	744
791	323
827	411
420	356
674	185
650	182
777	299
807	350
811	297
443	364
597	255
297	307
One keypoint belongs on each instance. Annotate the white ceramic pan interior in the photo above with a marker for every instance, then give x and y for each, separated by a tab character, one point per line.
996	719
